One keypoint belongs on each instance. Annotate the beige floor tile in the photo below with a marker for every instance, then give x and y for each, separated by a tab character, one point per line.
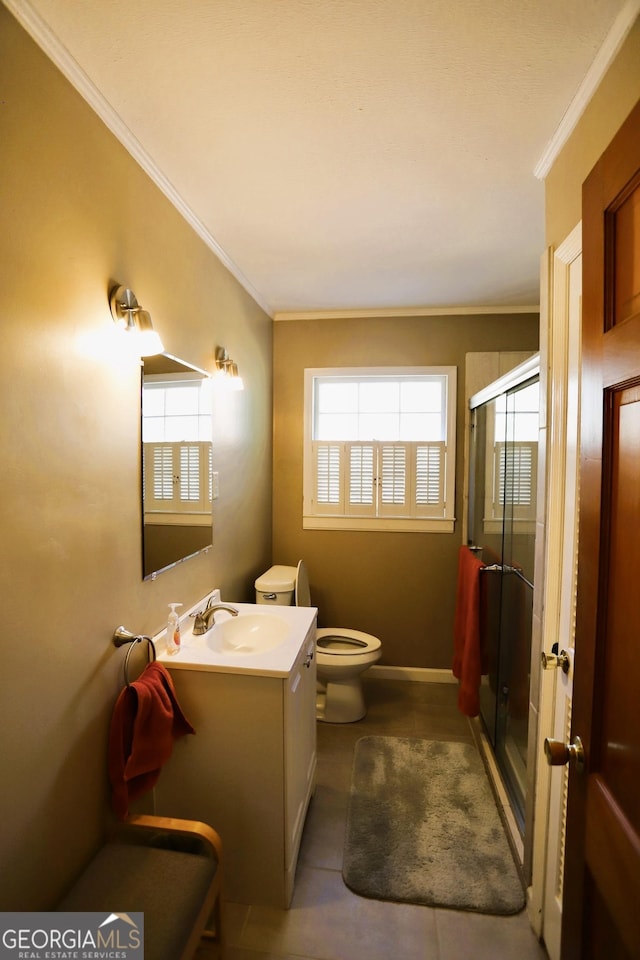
403	691
336	772
323	837
337	740
234	918
482	937
438	722
327	921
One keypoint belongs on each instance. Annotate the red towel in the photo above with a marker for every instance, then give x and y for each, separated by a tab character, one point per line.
467	655
146	720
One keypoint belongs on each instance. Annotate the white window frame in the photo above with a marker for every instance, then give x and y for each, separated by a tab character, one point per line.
380	515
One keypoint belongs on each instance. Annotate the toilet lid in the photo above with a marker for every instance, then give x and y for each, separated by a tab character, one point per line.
302	592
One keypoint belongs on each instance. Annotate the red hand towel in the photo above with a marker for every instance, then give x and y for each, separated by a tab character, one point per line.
146	720
467	655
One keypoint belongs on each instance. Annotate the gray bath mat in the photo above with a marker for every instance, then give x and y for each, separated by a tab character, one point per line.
423	827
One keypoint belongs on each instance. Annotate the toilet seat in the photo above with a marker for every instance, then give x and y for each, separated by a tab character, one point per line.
342	656
339	642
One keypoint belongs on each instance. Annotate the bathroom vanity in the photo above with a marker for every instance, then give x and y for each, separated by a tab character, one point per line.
249	771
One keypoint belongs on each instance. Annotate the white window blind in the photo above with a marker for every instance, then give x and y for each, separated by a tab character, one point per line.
379	479
430	474
328	460
393	474
515	469
190	473
161	474
360	478
177	477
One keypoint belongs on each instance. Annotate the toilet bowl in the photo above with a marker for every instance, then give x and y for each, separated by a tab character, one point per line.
342	655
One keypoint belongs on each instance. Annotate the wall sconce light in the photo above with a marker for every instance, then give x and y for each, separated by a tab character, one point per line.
227	368
130	317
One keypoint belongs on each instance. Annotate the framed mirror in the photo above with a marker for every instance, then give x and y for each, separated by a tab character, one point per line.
176	463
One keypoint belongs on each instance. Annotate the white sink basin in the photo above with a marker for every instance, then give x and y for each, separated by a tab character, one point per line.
248	634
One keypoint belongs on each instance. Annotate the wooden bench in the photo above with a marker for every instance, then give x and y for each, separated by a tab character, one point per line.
168	869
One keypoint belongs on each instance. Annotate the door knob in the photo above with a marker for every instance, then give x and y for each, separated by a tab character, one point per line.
552	660
558	753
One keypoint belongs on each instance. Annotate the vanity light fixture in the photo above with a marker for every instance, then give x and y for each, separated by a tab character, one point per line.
130	317
227	368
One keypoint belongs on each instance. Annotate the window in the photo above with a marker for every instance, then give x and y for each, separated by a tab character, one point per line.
512	459
176	411
380	448
177	463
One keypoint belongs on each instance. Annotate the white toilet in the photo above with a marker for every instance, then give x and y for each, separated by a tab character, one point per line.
341	655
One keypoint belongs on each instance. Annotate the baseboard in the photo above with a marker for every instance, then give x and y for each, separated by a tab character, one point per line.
421	674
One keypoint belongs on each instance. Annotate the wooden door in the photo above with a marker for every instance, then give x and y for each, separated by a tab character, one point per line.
601	910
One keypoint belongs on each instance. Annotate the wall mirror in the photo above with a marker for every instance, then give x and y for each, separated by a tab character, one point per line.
176	463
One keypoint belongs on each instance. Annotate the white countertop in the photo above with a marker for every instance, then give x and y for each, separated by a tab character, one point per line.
196	653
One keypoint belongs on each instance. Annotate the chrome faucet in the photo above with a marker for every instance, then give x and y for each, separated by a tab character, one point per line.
204	620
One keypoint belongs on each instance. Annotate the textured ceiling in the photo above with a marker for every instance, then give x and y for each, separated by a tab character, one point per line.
348	154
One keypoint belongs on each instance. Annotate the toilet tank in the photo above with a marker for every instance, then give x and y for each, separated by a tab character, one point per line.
276	586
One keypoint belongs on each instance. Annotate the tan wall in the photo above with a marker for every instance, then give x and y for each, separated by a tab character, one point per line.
397	586
611	104
78	214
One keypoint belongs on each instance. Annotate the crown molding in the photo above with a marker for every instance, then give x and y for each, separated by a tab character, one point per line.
399	312
601	63
42	34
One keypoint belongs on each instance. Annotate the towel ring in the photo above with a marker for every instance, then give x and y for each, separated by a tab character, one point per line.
121	636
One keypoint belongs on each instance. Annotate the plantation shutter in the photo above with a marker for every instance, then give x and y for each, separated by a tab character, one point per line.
429	497
361	473
379	479
411	480
162	473
328	479
393	475
515	472
177	477
189	473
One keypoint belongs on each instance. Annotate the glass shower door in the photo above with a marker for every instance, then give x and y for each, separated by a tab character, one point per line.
502	521
518	486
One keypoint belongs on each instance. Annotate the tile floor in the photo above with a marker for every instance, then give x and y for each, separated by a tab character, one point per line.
326	920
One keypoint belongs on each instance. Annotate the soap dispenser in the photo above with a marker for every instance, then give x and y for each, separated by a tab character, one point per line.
173	629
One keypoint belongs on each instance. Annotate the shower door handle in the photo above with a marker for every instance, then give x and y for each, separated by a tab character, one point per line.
558	753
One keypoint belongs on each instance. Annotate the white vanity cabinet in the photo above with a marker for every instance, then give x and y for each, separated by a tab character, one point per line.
249	771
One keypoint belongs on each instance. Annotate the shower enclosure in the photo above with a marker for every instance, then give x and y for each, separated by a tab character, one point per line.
503	465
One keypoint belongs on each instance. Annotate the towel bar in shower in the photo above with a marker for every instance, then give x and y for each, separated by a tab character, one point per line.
506	568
